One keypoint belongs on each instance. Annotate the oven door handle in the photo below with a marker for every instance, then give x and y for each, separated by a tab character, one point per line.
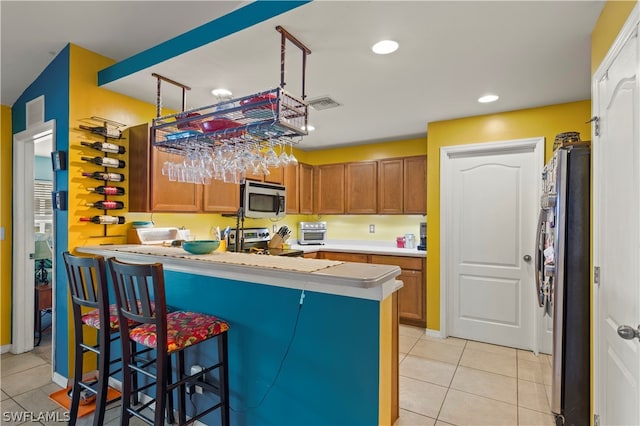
538	260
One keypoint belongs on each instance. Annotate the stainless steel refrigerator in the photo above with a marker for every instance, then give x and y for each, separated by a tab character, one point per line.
563	277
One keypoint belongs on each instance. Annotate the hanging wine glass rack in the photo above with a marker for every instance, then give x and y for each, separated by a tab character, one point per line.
273	116
241	127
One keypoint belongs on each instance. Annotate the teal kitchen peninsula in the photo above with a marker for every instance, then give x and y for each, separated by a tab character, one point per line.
312	342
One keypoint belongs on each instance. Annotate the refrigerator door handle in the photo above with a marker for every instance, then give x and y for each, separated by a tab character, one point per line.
539	265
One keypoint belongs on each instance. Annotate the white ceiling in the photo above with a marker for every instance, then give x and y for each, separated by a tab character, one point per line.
451	52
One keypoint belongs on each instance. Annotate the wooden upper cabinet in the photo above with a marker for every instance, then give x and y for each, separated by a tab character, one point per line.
139	168
290	179
168	196
305	188
221	197
361	187
329	189
257	177
415	185
149	190
276	175
390	174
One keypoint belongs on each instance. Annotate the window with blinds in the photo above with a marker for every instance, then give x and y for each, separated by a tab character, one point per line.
42	198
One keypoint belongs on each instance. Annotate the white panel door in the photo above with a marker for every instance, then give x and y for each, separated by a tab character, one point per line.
494	203
617	238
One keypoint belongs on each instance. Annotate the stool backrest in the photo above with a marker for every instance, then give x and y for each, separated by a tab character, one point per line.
87	277
139	290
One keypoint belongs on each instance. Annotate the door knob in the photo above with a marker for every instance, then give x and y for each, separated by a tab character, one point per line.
628	333
526	258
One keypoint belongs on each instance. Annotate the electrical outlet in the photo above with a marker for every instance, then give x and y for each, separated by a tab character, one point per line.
372	229
195	369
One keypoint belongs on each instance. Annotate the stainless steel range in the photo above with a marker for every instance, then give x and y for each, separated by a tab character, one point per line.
256	240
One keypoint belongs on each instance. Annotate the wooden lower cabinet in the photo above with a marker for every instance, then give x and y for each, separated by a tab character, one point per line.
411	301
313	255
344	257
411	297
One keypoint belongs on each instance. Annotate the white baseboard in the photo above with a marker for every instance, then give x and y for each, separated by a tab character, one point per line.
60	380
434	333
5	348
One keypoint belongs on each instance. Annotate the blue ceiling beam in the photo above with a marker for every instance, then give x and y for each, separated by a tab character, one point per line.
238	20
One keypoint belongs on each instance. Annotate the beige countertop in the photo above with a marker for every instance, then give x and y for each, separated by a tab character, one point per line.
361	280
361	246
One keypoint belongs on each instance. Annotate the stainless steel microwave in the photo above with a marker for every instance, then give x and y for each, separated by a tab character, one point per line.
264	200
312	233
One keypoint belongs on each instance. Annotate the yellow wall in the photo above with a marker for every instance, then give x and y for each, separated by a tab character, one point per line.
375	151
612	18
6	142
535	122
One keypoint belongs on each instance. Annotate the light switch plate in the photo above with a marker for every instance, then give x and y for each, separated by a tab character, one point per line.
1	233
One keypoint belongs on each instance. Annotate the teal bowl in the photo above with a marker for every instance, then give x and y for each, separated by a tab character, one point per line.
201	246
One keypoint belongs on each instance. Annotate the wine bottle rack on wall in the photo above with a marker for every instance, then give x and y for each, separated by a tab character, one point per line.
103	150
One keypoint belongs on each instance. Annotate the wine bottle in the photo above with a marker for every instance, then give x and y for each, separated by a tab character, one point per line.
107	190
104	219
106	162
103	131
105	147
112	177
106	205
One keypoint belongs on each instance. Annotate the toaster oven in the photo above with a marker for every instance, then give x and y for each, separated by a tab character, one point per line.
312	233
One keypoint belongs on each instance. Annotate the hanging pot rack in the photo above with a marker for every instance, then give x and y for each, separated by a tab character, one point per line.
264	118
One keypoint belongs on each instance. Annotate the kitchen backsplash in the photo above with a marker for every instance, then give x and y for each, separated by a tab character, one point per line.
339	227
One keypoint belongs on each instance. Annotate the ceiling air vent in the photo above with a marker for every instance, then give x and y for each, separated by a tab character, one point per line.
324	102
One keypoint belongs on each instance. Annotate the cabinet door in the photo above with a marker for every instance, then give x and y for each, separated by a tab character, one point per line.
311	255
168	196
276	175
221	197
411	298
390	177
305	190
148	189
257	177
345	257
139	168
290	180
361	187
329	189
415	185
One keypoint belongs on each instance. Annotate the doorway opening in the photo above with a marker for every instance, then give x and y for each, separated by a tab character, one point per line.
34	264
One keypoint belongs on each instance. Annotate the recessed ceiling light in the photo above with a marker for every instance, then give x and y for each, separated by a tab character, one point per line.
221	93
385	47
488	98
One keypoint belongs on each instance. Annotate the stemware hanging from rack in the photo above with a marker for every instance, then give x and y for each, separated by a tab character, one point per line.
234	137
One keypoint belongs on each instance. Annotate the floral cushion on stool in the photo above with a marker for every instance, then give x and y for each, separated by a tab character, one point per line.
92	318
183	329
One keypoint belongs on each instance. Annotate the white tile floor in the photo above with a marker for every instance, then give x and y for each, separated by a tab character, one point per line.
462	382
442	382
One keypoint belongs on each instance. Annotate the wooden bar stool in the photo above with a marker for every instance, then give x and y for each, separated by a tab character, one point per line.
87	279
138	288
